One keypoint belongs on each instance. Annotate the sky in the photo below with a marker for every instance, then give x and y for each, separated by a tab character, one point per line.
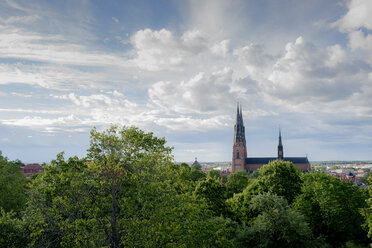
178	69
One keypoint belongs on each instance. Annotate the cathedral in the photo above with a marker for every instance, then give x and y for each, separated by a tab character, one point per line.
240	161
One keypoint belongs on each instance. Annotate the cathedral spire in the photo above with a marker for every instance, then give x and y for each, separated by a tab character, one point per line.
239	129
239	147
280	146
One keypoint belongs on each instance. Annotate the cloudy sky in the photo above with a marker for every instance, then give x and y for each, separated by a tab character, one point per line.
178	69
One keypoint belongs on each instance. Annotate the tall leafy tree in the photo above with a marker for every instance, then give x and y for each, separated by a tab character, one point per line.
12	231
64	206
332	208
212	192
238	181
13	194
121	157
130	194
278	177
275	225
281	178
214	173
367	212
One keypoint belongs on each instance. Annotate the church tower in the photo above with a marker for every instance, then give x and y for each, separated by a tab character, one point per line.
280	146
239	148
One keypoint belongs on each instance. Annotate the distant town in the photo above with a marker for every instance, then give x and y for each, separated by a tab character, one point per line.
355	171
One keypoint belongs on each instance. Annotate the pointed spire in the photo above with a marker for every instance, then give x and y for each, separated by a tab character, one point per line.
239	130
241	115
280	146
237	114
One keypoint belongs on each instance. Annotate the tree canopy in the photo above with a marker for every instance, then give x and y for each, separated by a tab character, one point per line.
275	225
332	207
12	186
281	178
128	192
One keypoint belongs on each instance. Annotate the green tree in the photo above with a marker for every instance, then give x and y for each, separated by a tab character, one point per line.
184	165
123	157
332	208
281	178
276	225
367	211
12	186
212	191
63	207
278	177
12	231
214	173
238	181
197	175
131	194
240	206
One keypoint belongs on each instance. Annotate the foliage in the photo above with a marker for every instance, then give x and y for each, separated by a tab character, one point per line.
63	207
197	175
212	191
278	177
129	195
276	225
281	178
239	206
184	165
368	210
238	181
332	208
12	234
12	185
214	174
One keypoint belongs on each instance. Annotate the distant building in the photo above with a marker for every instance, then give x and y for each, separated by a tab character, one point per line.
30	169
196	163
240	161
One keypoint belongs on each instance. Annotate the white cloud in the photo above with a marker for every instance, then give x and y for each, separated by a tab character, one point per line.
34	111
309	73
20	19
358	16
39	122
252	55
202	93
357	23
357	40
56	77
157	50
161	50
221	48
189	123
18	44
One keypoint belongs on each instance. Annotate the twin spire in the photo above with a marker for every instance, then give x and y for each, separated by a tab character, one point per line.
239	129
239	132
